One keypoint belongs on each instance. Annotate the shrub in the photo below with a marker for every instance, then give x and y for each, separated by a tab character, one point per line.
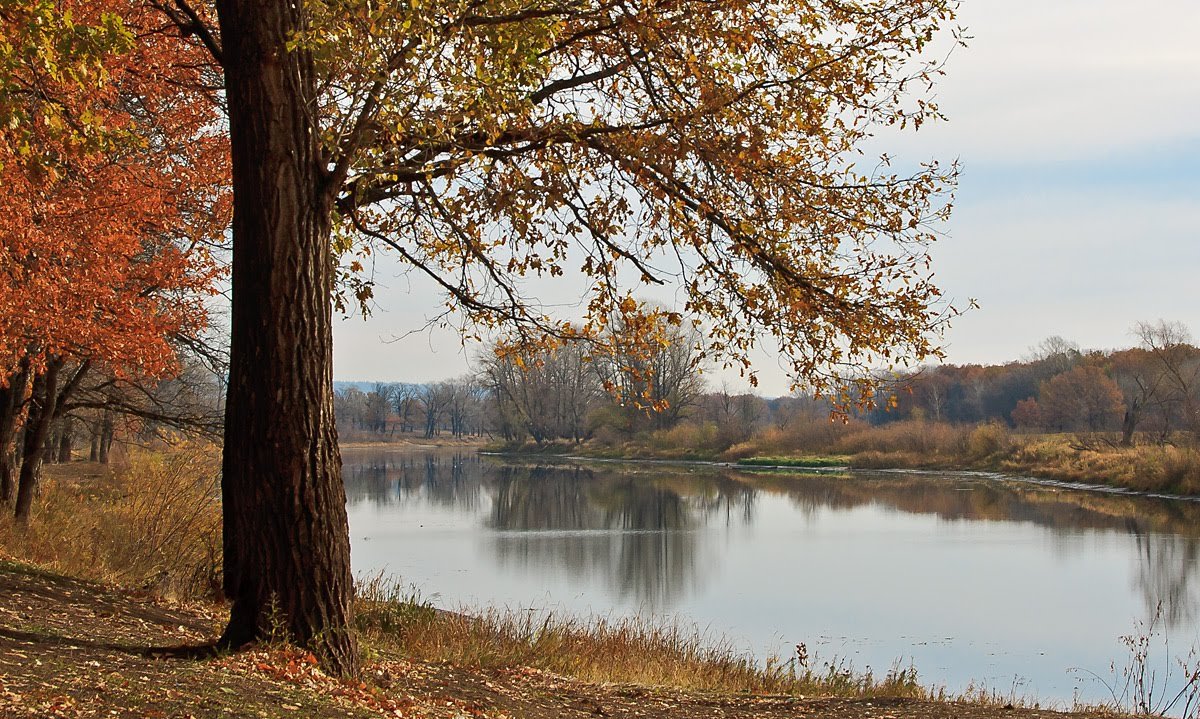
987	440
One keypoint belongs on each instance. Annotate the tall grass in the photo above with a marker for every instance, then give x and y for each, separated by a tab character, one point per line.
632	650
1148	468
155	523
1154	681
920	444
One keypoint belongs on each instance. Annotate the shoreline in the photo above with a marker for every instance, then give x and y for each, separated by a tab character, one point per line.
794	469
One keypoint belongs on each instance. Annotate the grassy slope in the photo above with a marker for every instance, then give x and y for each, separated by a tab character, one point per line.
71	648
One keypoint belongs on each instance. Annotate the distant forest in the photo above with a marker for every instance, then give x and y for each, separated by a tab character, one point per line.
1150	392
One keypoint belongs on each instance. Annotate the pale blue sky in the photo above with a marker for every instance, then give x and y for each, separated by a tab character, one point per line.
1077	123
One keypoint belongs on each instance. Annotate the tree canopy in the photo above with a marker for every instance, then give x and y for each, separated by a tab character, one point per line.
719	148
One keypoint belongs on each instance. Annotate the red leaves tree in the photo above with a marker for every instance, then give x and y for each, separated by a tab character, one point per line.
105	255
1083	397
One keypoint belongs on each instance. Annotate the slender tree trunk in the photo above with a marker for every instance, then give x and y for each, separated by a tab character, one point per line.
65	443
286	540
94	450
107	429
50	451
12	397
37	428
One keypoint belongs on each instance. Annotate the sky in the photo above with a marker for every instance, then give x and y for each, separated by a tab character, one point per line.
1077	126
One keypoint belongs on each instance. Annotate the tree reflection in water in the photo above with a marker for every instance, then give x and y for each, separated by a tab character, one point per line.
1166	532
443	479
638	530
1167	575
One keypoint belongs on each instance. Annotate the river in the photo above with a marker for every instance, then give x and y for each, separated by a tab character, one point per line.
1020	588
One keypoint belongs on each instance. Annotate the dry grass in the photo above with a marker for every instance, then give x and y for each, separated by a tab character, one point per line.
624	650
816	436
1147	468
154	522
918	444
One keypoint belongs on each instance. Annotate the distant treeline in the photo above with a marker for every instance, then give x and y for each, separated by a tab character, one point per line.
1152	388
1150	391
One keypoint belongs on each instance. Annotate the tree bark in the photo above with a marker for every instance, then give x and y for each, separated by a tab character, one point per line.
65	443
107	429
94	450
286	540
42	399
12	397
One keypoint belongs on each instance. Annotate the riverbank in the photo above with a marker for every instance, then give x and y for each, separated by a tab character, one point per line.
72	648
1095	459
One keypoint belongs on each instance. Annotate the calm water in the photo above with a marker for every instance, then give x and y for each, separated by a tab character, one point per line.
1019	587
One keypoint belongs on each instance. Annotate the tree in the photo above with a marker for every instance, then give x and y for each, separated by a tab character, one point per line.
654	370
463	405
379	405
46	56
734	415
1083	396
286	542
1178	361
109	204
1055	355
435	401
405	400
1028	414
486	142
1143	384
546	392
350	407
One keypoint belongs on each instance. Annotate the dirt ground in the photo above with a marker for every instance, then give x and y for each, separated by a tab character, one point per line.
70	648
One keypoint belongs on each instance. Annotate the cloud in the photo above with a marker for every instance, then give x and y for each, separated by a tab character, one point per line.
1069	79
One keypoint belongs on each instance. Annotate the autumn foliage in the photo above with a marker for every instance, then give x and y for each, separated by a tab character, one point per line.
106	250
715	148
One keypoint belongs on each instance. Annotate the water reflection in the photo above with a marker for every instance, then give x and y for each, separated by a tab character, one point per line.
1165	532
640	531
451	480
1166	577
655	536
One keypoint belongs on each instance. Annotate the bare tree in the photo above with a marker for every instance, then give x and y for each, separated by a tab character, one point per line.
1170	344
435	400
545	392
655	381
379	406
405	401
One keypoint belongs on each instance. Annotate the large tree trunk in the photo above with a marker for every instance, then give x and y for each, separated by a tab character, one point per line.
12	396
286	541
42	401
